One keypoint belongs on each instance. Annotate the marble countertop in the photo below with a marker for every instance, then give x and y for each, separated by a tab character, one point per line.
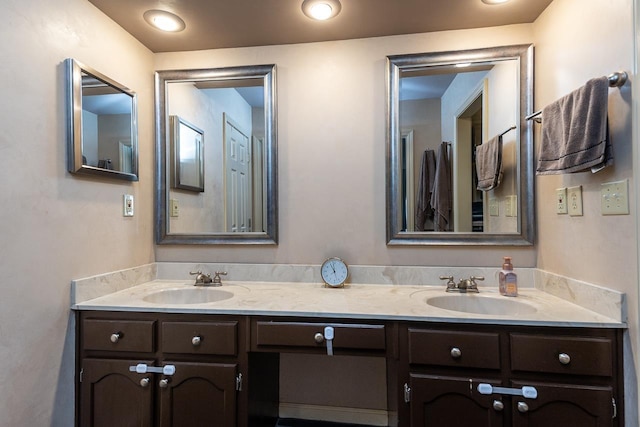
355	301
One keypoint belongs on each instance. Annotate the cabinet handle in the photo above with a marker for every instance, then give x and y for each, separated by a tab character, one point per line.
144	382
115	337
319	338
164	383
564	358
196	340
456	353
523	407
498	405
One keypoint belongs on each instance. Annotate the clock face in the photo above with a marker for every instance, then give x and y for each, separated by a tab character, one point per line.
334	272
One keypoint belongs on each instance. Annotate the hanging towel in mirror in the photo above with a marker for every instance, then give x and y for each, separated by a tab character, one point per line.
441	196
489	164
574	131
424	211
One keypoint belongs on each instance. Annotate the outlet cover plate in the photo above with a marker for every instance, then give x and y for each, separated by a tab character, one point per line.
127	205
614	198
561	201
574	200
494	209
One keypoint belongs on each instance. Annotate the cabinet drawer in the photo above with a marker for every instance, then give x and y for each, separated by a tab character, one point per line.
449	348
200	337
303	335
562	355
118	335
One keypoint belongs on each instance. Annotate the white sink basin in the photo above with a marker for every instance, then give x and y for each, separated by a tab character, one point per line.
479	304
192	295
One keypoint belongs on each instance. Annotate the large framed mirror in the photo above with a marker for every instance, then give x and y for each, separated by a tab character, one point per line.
224	189
102	125
459	149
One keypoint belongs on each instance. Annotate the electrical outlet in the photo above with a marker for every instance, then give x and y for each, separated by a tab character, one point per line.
574	200
615	198
494	207
127	205
511	206
561	201
174	208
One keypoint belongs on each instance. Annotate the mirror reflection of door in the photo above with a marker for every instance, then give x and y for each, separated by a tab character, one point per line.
238	206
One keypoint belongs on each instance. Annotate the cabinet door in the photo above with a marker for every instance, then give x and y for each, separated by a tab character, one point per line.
111	395
564	405
438	401
198	395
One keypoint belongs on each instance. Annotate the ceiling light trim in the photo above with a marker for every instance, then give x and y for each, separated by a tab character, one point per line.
164	21
333	6
494	2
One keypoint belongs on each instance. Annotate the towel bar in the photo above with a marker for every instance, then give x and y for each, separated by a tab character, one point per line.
617	79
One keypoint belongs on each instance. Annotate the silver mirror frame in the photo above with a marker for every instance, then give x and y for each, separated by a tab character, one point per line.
526	200
75	165
265	73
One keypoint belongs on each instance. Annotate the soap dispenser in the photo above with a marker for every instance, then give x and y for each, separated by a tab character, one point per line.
508	280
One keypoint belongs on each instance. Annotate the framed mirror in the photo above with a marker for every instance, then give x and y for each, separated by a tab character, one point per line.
216	156
459	149
102	125
187	155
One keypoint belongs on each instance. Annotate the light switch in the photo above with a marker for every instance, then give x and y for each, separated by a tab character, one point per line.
614	198
127	205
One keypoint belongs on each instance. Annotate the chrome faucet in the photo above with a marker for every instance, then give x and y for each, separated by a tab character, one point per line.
201	278
463	285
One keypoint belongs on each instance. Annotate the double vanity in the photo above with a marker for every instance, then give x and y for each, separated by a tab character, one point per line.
166	350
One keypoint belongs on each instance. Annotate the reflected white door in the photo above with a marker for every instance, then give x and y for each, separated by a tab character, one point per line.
238	178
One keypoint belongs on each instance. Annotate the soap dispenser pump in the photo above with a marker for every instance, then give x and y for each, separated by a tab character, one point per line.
508	280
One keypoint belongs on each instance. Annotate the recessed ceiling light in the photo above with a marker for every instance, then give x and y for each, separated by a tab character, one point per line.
321	10
494	1
165	21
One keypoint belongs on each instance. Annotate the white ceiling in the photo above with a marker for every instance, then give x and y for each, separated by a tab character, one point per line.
213	24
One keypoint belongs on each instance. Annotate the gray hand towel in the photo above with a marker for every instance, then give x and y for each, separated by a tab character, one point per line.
489	164
424	211
441	198
574	131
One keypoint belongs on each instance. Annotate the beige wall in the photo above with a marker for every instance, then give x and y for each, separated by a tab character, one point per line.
55	226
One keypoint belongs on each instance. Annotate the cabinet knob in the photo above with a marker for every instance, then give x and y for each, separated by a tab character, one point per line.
144	382
523	407
564	358
164	383
115	337
319	338
196	340
498	405
456	353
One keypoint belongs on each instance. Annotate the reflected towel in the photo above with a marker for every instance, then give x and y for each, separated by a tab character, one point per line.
424	211
489	164
574	131
441	196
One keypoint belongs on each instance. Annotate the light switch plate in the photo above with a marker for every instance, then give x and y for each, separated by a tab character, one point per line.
127	205
561	201
574	200
614	198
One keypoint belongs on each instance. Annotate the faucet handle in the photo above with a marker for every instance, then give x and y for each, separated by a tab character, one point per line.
217	280
450	283
201	278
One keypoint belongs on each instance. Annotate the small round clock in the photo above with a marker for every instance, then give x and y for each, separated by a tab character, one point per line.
334	272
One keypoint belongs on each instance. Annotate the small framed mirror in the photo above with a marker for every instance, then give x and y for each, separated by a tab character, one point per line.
102	135
187	150
445	112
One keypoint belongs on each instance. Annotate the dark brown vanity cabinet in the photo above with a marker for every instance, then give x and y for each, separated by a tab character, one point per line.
199	364
575	372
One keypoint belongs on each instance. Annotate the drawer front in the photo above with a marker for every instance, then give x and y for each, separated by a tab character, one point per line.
200	337
303	335
562	355
450	348
119	335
